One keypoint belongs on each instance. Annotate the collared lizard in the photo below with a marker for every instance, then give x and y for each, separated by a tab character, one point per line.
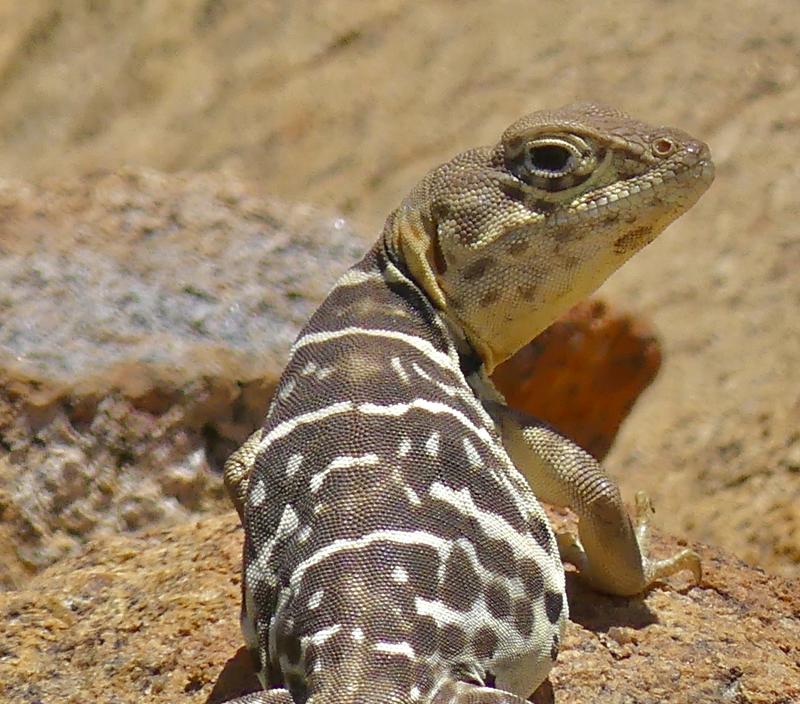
395	550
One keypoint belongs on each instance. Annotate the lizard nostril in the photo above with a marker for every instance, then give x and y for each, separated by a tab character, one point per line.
698	149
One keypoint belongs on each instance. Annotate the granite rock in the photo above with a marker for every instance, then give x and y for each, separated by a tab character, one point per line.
146	319
154	617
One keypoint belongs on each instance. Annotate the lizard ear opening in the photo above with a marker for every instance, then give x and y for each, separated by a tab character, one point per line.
430	223
437	256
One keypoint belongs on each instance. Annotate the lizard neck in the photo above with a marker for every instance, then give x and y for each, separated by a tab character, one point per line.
434	326
410	241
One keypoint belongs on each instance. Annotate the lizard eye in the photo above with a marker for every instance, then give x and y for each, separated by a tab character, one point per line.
663	146
550	159
552	163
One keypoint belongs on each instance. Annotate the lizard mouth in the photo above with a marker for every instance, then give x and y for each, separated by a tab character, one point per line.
678	182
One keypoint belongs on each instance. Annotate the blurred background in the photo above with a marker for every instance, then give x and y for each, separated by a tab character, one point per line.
147	147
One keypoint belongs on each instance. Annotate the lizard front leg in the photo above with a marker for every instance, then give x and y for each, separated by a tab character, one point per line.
237	471
611	551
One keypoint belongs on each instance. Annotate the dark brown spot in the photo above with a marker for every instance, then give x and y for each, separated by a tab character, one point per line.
477	269
566	233
497	556
491	296
449	523
421	563
516	241
541	533
424	636
632	240
570	261
460	583
553	604
528	291
498	600
531	574
523	616
452	641
484	643
544	206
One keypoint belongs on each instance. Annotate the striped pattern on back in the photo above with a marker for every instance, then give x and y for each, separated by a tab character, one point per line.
392	550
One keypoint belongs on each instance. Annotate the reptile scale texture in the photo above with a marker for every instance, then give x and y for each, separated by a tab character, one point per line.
395	548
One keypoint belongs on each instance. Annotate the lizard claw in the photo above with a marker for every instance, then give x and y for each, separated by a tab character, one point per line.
686	559
570	550
642	513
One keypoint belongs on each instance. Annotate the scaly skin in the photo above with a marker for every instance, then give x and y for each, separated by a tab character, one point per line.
395	551
504	249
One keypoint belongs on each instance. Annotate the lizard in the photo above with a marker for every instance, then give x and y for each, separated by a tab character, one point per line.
395	547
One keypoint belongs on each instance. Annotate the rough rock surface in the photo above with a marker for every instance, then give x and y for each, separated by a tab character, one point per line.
145	321
346	104
155	618
169	270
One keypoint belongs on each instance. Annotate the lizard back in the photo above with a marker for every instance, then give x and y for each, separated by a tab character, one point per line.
392	547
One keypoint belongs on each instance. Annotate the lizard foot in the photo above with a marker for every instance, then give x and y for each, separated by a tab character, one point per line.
618	562
654	570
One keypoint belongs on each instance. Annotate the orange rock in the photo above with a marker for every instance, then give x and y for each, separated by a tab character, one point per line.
584	373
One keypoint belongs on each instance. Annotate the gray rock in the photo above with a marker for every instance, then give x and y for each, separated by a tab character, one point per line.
145	319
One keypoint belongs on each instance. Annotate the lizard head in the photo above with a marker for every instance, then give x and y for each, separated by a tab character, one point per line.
505	239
